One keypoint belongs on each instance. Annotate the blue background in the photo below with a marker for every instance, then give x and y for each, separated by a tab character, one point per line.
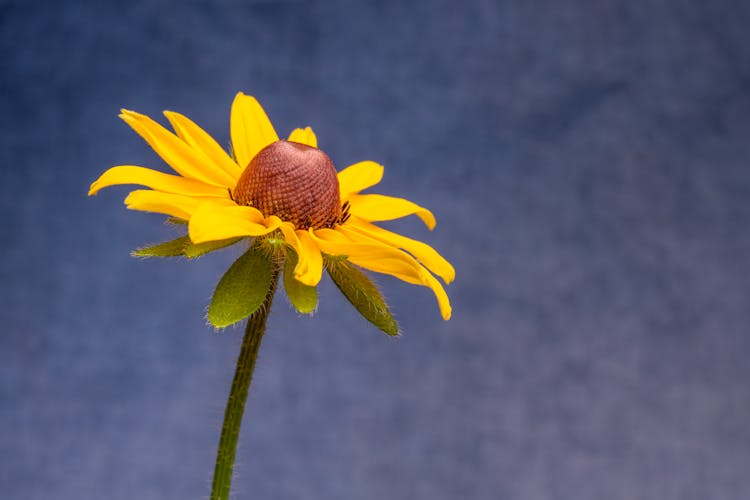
588	163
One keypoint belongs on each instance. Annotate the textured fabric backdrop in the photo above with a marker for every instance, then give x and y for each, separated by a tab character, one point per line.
588	163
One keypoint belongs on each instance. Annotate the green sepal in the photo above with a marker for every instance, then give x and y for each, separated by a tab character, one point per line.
173	248
304	298
362	293
193	250
182	246
242	289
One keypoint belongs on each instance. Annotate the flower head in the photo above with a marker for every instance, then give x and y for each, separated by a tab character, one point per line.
281	191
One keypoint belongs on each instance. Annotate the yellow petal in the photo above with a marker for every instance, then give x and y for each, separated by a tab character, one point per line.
290	236
175	205
383	259
130	174
309	267
199	139
426	255
376	207
214	221
287	228
250	127
379	258
359	176
331	235
185	160
444	302
312	255
304	136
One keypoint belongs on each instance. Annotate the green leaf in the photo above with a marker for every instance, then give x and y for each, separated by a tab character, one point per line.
363	294
173	248
192	250
304	298
242	289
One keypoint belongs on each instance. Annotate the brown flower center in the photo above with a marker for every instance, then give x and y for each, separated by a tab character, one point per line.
293	181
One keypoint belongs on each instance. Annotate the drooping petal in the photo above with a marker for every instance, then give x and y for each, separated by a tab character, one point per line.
199	139
251	129
309	267
426	255
214	221
304	136
131	174
377	207
176	205
359	176
382	259
379	258
287	229
444	302
302	297
314	259
185	160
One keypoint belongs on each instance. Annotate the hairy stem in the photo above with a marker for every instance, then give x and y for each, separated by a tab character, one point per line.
230	431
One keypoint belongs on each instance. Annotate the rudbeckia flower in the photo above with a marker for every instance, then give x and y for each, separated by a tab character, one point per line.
277	190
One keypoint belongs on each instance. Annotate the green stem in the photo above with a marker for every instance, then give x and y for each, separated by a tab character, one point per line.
230	431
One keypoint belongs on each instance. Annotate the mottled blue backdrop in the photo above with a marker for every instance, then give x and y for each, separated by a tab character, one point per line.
589	166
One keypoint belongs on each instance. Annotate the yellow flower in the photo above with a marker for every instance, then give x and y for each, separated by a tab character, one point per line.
285	186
